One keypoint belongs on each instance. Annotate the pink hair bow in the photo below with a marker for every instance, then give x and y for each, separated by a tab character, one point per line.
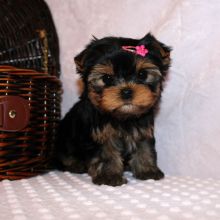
140	50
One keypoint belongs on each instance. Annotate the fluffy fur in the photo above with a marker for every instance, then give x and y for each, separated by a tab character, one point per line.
111	128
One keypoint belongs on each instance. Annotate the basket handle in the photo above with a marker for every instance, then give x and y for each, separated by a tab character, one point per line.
14	113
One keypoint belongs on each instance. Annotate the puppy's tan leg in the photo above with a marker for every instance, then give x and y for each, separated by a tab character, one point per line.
107	167
143	162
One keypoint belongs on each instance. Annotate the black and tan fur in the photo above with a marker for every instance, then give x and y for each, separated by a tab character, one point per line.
111	128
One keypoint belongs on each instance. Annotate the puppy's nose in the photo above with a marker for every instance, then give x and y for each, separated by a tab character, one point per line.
126	93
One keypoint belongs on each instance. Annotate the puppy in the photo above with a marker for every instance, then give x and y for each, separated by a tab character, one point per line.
111	128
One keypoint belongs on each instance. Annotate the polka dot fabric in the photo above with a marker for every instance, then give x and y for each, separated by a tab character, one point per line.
58	195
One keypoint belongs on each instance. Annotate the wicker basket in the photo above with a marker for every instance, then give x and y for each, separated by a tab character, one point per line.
30	91
28	37
27	152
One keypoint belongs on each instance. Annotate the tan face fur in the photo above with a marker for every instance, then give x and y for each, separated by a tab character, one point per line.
108	98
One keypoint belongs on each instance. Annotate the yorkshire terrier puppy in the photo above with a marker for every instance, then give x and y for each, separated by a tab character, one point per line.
111	128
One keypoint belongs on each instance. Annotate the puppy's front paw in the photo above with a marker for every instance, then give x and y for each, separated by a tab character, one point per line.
112	180
155	174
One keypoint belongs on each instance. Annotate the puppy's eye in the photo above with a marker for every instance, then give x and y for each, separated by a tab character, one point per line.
107	79
142	75
149	76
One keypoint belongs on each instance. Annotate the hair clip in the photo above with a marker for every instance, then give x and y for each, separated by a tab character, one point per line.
140	50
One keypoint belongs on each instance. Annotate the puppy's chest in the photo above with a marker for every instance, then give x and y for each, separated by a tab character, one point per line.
122	139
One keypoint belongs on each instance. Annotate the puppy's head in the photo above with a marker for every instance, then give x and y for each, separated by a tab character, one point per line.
122	76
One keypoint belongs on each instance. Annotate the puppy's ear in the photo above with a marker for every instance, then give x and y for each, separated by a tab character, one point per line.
81	57
157	49
80	61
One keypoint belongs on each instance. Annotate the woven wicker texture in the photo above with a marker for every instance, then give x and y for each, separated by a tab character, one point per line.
28	37
28	152
28	40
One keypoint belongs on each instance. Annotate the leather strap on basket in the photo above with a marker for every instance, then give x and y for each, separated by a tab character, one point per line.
14	113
